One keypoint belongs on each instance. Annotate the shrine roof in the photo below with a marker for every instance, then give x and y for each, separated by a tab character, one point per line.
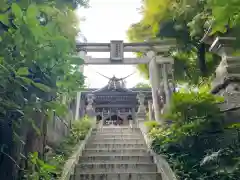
116	86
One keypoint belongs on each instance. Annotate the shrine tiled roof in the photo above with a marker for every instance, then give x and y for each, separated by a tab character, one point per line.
116	85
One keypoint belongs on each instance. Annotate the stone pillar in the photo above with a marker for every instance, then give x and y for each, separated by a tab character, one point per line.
155	82
141	114
82	54
90	109
150	110
166	72
133	116
78	99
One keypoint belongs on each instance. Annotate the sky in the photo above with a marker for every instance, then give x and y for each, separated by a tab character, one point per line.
108	20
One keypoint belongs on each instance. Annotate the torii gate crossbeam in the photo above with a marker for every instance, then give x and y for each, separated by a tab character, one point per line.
117	49
160	46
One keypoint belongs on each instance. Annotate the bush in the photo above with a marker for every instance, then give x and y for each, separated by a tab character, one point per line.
80	129
151	124
194	141
78	132
187	107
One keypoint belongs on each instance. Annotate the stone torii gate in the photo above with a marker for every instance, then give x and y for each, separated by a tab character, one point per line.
160	67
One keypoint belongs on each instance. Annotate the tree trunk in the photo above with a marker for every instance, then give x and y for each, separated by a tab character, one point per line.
6	145
202	59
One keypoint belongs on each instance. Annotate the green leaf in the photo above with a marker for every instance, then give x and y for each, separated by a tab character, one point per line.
32	12
4	19
76	60
23	71
34	126
17	11
61	44
31	15
42	87
60	109
50	115
27	80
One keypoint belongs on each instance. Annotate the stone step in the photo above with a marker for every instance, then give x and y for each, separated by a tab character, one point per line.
117	141
118	176
121	151
115	133
115	167
96	138
120	146
116	130
121	158
116	153
116	150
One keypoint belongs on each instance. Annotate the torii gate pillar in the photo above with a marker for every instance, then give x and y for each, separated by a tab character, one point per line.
81	54
155	82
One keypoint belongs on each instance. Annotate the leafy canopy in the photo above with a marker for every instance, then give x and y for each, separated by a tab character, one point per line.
187	21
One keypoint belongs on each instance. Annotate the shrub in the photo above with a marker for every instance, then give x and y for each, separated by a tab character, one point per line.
78	132
194	141
80	129
151	124
187	107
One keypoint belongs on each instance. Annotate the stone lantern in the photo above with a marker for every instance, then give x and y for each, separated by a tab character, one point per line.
90	109
141	113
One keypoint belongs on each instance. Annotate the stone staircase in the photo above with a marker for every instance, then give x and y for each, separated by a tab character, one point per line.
116	153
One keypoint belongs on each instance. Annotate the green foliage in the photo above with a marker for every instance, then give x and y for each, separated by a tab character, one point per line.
151	125
190	106
195	141
36	64
225	13
142	85
80	129
187	21
61	154
38	169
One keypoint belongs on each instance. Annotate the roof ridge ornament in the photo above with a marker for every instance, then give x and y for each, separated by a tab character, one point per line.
114	77
116	83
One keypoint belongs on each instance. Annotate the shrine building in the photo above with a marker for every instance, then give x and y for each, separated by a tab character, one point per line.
114	103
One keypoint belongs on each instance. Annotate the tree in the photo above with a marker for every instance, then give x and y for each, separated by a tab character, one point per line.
193	139
36	70
187	22
142	85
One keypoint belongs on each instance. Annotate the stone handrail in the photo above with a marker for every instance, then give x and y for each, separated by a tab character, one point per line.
162	165
69	166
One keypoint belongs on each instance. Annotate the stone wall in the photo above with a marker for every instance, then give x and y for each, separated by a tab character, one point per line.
57	129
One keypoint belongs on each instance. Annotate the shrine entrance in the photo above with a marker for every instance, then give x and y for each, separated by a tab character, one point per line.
160	63
113	120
